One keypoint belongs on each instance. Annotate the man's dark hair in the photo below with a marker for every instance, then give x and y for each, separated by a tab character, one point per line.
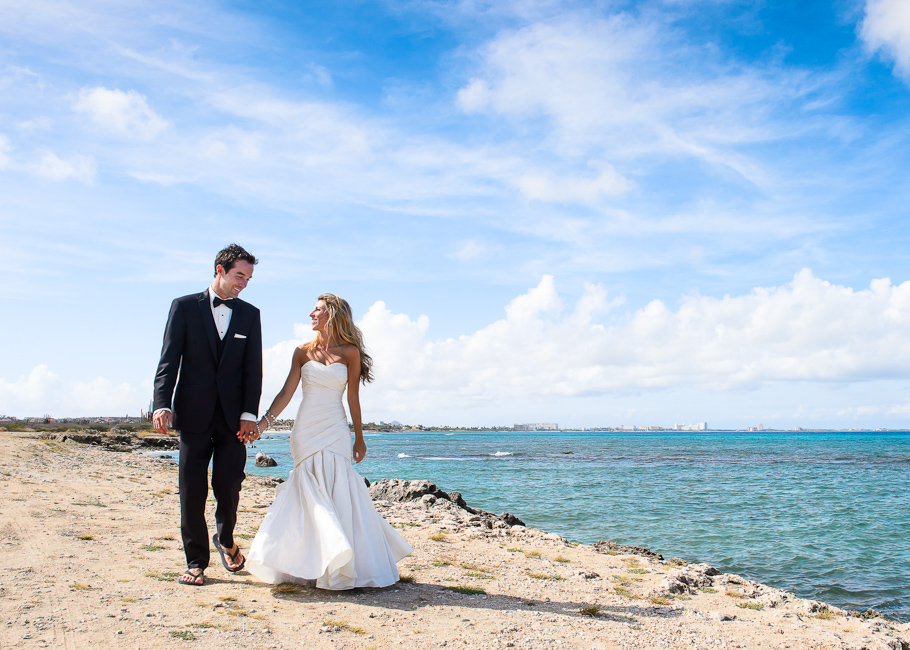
229	255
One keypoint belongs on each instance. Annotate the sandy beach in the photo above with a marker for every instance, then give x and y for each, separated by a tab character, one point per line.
90	551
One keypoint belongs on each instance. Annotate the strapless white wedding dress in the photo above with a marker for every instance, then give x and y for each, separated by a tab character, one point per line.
323	525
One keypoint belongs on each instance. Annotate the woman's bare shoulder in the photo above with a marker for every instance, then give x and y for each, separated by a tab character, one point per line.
349	353
302	353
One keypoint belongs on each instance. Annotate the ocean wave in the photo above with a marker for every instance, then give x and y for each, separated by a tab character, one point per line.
503	453
404	456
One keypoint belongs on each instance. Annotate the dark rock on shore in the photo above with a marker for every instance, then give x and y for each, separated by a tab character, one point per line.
611	548
394	489
120	441
264	460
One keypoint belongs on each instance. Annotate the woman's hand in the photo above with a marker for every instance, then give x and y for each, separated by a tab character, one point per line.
360	450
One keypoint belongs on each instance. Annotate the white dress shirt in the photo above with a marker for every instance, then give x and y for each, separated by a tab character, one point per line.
221	314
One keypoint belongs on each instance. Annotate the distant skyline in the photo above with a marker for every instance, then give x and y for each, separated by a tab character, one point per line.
553	211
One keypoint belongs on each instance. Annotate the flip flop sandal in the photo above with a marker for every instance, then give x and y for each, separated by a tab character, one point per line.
224	553
194	576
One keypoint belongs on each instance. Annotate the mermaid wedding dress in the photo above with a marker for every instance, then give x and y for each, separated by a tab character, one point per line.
323	525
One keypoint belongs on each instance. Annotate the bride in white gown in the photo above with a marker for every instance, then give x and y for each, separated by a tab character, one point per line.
322	525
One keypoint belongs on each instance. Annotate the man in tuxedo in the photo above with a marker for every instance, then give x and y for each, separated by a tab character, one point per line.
212	355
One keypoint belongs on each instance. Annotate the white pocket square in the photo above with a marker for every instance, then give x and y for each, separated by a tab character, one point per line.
239	336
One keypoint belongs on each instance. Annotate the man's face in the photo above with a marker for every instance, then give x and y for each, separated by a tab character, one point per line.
229	284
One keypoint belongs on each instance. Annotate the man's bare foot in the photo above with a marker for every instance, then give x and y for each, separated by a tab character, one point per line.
236	561
193	578
232	559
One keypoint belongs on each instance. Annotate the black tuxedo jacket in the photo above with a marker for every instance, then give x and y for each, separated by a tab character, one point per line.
189	361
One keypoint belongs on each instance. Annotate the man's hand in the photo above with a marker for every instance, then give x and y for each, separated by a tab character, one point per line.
161	420
247	431
360	450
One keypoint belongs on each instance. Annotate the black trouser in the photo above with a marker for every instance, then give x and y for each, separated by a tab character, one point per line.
196	450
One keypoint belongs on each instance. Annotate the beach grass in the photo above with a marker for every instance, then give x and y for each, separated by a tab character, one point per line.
545	576
756	606
481	576
343	625
467	590
590	610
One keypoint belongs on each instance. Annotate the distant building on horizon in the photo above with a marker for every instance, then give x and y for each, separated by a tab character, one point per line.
536	426
700	426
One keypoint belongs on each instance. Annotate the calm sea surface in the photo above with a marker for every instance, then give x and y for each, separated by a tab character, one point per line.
823	515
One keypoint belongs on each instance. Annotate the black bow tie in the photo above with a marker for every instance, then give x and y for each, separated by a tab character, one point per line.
229	303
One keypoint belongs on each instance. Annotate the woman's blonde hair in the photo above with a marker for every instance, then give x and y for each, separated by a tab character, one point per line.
341	328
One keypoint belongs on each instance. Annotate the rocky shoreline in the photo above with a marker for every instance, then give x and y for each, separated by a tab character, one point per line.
116	440
90	552
682	578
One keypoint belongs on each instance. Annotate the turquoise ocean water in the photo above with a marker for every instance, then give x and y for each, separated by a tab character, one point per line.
823	515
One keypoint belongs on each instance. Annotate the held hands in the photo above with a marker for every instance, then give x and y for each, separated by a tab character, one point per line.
161	421
247	431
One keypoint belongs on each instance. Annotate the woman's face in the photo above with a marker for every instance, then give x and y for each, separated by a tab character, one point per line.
319	316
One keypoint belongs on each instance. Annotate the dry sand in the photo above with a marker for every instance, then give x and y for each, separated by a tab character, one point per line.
90	551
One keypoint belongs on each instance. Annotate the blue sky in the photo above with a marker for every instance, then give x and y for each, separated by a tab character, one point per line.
590	213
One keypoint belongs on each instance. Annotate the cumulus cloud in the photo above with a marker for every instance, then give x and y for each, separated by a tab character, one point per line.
808	330
886	27
33	391
44	392
124	113
101	396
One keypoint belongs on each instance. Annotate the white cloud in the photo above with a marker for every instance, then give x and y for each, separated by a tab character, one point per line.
77	167
40	390
806	331
43	391
123	113
630	88
100	396
545	187
470	250
886	27
474	97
